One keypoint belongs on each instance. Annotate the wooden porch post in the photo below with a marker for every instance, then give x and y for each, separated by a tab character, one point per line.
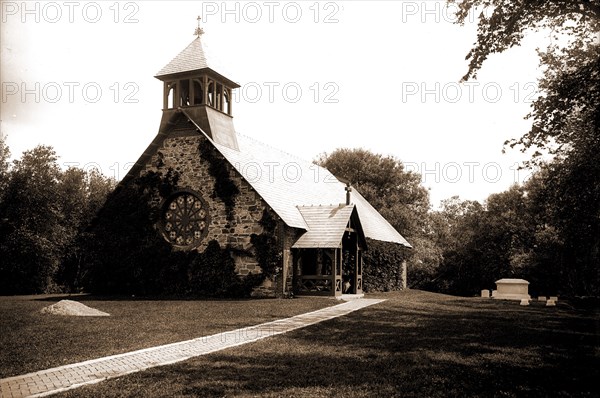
358	270
337	273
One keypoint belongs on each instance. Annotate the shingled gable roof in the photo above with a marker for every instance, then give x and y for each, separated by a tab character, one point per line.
326	226
285	182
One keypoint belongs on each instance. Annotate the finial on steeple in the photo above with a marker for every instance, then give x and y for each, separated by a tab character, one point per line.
199	31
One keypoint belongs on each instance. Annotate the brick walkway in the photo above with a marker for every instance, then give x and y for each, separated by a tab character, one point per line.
51	381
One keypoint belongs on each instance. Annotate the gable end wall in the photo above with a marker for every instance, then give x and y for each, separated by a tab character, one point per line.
180	152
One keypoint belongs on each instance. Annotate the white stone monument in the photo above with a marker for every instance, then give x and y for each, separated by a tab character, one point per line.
512	289
485	293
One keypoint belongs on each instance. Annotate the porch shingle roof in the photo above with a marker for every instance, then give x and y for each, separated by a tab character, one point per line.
326	226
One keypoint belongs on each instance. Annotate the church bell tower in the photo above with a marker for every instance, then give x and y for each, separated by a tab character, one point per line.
191	85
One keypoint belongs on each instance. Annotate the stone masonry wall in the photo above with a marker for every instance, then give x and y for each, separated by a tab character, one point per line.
281	284
290	235
181	153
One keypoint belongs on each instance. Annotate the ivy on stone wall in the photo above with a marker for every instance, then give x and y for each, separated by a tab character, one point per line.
267	246
382	266
126	254
123	249
225	188
212	273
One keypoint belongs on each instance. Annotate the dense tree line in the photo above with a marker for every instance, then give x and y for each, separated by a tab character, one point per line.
559	241
545	230
519	233
51	238
43	210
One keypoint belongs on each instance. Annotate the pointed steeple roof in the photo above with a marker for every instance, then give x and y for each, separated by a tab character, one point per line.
190	59
195	58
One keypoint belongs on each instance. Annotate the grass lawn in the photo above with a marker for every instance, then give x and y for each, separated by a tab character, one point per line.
31	341
415	344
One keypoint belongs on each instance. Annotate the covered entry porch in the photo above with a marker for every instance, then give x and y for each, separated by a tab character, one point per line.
327	259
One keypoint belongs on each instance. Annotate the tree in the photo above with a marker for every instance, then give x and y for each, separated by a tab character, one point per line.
565	202
458	226
504	23
567	112
448	222
398	195
42	212
32	233
485	243
4	165
565	119
81	194
522	233
382	180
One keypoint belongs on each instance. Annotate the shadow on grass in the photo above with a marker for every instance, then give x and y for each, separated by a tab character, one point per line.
89	297
411	345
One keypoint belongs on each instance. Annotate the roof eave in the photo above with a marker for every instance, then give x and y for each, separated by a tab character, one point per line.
190	73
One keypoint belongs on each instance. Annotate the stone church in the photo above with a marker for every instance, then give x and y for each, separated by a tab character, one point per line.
230	180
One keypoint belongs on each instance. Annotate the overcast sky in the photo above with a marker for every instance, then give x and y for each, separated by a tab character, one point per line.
315	76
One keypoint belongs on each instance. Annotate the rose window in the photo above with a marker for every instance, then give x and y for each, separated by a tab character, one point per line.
185	220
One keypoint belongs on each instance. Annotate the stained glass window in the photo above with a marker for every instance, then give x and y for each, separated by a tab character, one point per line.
185	220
